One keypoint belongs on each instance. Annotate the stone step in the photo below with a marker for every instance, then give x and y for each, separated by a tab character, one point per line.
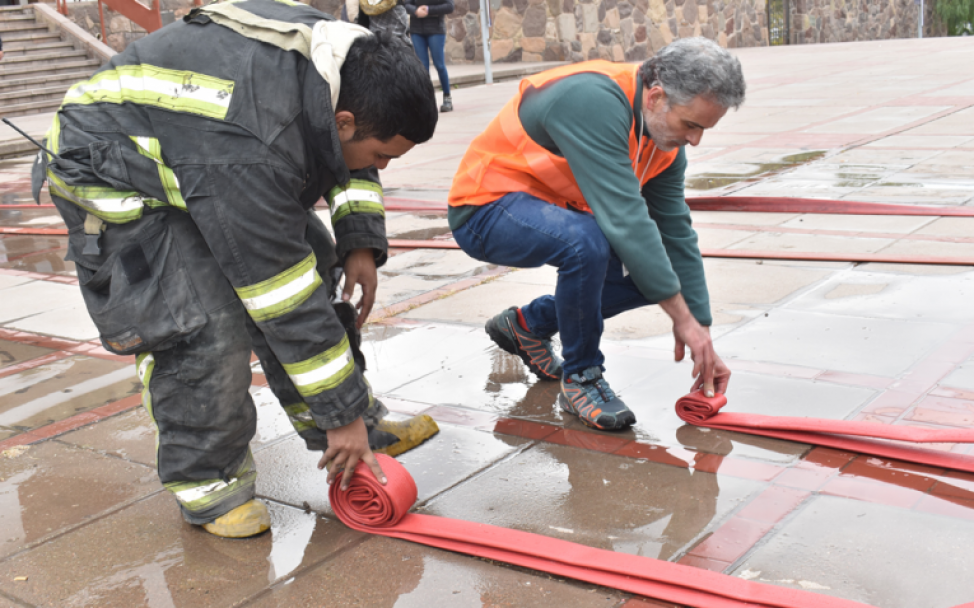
33	94
19	28
31	107
13	19
11	50
65	80
28	39
50	68
38	60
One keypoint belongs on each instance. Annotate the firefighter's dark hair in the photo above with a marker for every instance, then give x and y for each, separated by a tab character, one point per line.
386	88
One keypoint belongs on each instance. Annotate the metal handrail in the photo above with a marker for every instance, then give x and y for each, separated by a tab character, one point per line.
148	18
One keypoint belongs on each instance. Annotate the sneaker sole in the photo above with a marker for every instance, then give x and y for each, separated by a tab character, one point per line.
502	340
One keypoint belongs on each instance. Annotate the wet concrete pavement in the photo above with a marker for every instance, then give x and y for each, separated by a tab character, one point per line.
85	522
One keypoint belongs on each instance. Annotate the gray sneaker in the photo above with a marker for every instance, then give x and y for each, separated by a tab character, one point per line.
535	351
588	396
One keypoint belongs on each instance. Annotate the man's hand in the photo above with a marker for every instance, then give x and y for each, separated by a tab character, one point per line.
709	372
346	446
422	11
360	270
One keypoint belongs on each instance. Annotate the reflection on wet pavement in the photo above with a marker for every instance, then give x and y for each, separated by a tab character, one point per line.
56	390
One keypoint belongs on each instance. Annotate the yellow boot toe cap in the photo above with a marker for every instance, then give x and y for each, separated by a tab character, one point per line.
249	519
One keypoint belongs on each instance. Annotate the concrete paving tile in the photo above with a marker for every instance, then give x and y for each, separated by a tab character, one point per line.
475	306
851	344
7	281
859	223
865	154
61	389
771	241
130	436
744	218
719	238
546	276
433	263
288	473
933	142
398	355
415	226
878	120
72	322
745	282
272	421
958	123
652	321
962	377
949	226
145	555
396	288
561	492
12	353
927	249
876	554
912	269
37	297
881	295
46	262
496	382
776	187
417	577
47	487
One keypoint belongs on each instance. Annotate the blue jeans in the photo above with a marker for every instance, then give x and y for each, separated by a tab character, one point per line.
522	231
432	46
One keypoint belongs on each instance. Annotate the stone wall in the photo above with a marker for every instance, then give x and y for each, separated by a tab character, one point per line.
119	31
817	21
617	30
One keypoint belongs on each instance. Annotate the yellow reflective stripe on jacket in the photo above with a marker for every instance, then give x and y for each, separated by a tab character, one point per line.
111	205
150	147
54	137
177	90
282	293
359	196
300	416
322	372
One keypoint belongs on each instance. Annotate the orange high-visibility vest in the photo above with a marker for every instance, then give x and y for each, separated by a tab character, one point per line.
504	159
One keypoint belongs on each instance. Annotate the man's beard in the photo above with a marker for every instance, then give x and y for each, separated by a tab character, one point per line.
659	133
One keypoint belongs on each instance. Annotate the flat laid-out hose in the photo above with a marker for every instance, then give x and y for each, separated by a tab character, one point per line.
751	204
368	506
851	435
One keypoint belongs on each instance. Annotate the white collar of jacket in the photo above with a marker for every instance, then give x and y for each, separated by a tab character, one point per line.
326	45
330	41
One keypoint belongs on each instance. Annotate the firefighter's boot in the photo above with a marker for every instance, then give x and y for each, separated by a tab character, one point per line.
394	438
249	519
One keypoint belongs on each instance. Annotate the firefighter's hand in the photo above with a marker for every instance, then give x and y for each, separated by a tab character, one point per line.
360	270
346	446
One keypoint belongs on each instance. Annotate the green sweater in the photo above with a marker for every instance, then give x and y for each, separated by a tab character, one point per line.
586	118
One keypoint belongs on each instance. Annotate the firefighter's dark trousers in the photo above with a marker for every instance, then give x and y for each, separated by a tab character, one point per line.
196	385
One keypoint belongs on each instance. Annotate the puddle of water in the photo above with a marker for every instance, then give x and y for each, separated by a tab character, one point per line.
711	181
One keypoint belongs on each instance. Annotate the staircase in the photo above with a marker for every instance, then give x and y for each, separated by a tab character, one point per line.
40	62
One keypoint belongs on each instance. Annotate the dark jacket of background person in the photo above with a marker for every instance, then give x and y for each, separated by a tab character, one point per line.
433	23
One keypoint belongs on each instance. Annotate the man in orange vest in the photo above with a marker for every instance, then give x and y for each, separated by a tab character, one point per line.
584	170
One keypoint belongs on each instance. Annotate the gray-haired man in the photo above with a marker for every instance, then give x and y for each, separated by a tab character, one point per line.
584	171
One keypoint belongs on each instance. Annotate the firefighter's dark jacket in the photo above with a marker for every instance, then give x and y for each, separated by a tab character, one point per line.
240	134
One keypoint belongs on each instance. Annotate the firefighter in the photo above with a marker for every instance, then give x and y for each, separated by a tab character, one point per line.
186	170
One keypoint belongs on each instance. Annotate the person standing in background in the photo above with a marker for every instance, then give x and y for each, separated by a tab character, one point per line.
385	16
428	31
1	53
